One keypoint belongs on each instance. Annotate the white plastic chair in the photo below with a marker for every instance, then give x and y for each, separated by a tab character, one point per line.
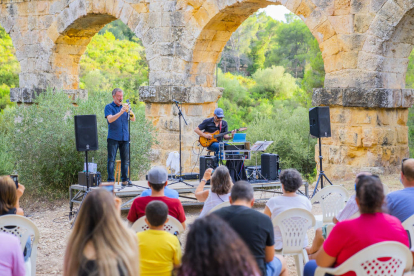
329	228
332	200
219	206
173	226
386	189
293	225
24	229
366	263
408	225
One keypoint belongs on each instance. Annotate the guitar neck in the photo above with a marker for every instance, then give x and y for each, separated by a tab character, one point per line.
221	134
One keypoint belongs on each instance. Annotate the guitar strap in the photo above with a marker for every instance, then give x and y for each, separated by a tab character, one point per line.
220	126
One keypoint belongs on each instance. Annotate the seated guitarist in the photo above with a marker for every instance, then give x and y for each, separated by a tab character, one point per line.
211	125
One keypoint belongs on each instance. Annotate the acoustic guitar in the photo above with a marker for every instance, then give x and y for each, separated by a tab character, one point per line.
207	142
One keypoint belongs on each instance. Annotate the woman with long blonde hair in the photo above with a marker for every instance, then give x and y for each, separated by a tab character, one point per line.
100	243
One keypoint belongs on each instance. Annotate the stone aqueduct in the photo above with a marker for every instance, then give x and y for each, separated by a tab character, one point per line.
365	46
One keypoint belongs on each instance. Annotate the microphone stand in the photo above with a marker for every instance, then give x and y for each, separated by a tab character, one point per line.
129	150
180	114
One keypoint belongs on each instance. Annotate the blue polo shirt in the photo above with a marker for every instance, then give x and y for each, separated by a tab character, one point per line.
117	130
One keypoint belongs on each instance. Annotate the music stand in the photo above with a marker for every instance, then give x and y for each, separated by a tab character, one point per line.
260	146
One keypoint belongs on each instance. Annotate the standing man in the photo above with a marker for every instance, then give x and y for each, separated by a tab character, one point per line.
211	125
117	116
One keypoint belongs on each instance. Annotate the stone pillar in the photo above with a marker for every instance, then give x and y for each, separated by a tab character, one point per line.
369	130
198	103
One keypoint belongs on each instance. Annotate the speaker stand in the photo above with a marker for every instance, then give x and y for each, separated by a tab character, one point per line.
321	172
88	189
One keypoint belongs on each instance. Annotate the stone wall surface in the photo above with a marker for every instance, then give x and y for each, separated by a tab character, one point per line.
365	46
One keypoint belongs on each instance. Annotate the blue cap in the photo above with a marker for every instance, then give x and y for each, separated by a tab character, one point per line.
219	112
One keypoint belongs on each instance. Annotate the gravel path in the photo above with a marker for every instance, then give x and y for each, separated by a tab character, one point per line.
52	220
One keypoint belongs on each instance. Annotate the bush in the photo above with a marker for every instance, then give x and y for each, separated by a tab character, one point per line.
42	141
289	131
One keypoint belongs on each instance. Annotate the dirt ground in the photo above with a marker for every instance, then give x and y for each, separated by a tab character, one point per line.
52	220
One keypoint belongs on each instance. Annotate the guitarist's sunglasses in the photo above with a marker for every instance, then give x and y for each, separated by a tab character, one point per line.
219	118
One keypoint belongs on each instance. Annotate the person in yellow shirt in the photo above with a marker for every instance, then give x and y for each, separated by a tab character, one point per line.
160	251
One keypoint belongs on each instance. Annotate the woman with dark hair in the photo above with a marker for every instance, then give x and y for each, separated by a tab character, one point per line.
213	248
291	181
101	243
351	236
220	189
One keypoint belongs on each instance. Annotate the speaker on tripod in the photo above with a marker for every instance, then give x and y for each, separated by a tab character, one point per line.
86	135
320	126
86	132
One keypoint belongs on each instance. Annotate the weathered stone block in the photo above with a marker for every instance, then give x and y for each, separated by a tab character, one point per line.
342	7
324	31
370	62
362	22
343	24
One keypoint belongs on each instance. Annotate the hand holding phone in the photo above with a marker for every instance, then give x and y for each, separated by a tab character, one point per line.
109	186
15	178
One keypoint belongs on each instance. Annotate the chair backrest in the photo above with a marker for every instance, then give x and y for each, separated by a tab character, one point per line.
24	229
386	189
332	199
173	226
366	262
408	225
219	206
293	225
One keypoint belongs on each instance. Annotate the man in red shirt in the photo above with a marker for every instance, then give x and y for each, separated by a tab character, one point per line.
157	180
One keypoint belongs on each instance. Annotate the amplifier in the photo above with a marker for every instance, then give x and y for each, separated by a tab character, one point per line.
94	179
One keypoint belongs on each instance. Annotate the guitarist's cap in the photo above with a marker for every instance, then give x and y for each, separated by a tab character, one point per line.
157	175
219	112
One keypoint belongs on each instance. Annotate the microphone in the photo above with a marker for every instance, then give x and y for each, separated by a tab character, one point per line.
177	102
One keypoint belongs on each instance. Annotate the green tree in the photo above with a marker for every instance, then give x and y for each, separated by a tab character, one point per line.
109	62
120	31
9	68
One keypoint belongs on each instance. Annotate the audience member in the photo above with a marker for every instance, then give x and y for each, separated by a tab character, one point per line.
10	205
350	236
400	203
214	249
100	242
350	209
291	181
255	229
10	197
159	250
218	193
11	257
157	180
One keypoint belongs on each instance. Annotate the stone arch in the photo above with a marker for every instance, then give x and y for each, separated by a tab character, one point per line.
72	31
216	22
388	44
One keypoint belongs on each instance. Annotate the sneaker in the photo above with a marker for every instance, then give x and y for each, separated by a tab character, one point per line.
124	183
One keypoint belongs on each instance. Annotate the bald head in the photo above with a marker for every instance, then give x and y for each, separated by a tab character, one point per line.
407	172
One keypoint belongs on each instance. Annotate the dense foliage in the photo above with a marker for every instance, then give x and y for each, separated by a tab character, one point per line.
41	139
9	68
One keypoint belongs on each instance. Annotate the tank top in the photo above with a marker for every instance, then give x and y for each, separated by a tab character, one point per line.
212	201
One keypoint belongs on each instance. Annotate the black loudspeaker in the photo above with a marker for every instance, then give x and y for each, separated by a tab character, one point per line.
320	121
86	132
206	162
270	166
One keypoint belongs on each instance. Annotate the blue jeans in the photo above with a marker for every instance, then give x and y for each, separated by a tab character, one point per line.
274	267
113	146
27	249
310	268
